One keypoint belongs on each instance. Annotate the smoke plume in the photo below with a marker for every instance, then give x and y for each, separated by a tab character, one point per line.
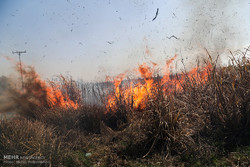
214	25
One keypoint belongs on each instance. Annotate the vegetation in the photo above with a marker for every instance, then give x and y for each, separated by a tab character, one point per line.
201	124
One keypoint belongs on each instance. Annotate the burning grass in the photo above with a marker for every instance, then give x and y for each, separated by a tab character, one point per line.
138	94
193	118
37	93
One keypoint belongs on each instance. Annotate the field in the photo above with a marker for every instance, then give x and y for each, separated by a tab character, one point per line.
199	117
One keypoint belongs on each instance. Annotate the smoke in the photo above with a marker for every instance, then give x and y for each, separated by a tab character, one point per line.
6	103
213	25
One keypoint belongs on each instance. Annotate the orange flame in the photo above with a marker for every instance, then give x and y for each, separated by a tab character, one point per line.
137	95
56	98
42	94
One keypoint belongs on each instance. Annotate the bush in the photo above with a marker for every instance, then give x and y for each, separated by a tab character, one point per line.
27	138
33	138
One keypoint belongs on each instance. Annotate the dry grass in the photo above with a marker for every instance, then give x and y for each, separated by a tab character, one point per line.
184	128
27	138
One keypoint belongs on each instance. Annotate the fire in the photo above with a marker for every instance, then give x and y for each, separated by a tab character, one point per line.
43	94
117	82
55	98
137	95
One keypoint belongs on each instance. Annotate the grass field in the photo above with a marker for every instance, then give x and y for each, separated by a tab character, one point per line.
196	118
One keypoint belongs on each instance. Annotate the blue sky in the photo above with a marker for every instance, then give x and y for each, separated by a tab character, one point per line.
89	39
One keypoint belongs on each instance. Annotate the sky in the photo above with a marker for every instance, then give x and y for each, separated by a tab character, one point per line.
92	39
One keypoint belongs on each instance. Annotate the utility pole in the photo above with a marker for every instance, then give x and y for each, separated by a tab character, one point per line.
20	63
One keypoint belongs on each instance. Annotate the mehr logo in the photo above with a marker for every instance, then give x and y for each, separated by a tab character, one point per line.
11	157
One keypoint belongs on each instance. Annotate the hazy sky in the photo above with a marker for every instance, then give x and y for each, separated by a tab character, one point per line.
90	39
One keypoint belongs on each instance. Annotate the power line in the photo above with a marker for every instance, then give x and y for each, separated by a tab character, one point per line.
20	63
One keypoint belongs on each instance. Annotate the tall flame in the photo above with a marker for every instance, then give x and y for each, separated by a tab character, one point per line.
43	94
140	92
